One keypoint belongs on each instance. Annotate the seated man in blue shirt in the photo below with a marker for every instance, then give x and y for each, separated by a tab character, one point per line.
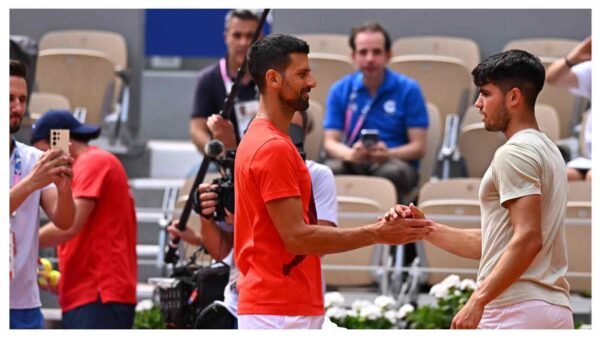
376	98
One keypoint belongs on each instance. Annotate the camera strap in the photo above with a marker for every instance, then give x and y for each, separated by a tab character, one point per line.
312	219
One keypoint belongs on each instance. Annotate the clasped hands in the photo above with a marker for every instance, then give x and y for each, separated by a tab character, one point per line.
401	225
377	153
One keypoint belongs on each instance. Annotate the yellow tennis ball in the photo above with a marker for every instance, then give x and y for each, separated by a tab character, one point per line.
46	264
54	278
42	281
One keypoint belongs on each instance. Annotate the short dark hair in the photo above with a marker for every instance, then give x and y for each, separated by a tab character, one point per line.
273	52
510	69
242	14
371	26
17	68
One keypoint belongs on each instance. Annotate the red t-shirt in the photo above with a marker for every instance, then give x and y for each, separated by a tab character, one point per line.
268	167
101	259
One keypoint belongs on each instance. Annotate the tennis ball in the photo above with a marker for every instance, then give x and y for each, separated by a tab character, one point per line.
42	281
54	278
46	264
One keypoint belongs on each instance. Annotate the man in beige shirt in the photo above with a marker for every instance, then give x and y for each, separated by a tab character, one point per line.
521	244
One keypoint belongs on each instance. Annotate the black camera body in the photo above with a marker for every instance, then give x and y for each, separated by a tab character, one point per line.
225	186
226	197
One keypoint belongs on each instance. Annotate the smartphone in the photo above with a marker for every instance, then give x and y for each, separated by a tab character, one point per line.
59	138
369	137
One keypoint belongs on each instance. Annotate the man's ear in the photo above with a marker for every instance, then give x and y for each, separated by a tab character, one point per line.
273	79
514	97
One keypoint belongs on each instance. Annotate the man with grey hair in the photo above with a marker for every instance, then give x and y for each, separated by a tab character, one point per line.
215	82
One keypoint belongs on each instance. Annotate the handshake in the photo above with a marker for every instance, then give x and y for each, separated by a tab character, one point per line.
403	224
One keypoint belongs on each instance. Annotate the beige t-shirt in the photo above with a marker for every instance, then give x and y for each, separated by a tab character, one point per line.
528	164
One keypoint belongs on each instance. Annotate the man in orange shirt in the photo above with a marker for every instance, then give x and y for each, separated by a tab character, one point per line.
277	243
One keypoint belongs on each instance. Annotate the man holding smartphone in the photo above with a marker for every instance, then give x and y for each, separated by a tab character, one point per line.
98	262
378	107
36	179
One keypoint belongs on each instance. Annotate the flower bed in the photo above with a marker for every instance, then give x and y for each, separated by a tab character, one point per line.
385	313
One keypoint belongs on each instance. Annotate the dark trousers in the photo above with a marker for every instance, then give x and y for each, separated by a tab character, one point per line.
97	315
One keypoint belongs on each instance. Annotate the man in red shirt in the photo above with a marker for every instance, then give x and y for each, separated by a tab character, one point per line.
277	242
97	257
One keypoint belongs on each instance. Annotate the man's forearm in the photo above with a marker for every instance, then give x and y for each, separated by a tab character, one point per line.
19	193
321	240
216	241
51	236
461	242
407	152
336	149
200	139
64	210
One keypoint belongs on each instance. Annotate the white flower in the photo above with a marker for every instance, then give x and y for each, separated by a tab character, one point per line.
385	302
467	284
333	299
144	305
390	315
371	312
457	292
439	291
336	312
404	310
360	304
352	313
451	281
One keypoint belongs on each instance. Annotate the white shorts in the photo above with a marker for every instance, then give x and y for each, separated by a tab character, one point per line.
279	322
531	314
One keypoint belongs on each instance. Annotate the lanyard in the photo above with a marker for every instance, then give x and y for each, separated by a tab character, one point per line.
18	170
226	79
352	106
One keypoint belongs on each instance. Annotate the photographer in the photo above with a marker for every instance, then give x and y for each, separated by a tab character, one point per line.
277	240
217	236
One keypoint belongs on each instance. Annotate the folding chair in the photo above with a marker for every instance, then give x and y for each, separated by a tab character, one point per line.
548	121
327	69
115	47
464	49
578	232
543	47
313	142
453	188
383	193
458	213
85	77
434	138
445	81
477	146
579	191
355	268
327	43
378	189
567	106
41	102
111	43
